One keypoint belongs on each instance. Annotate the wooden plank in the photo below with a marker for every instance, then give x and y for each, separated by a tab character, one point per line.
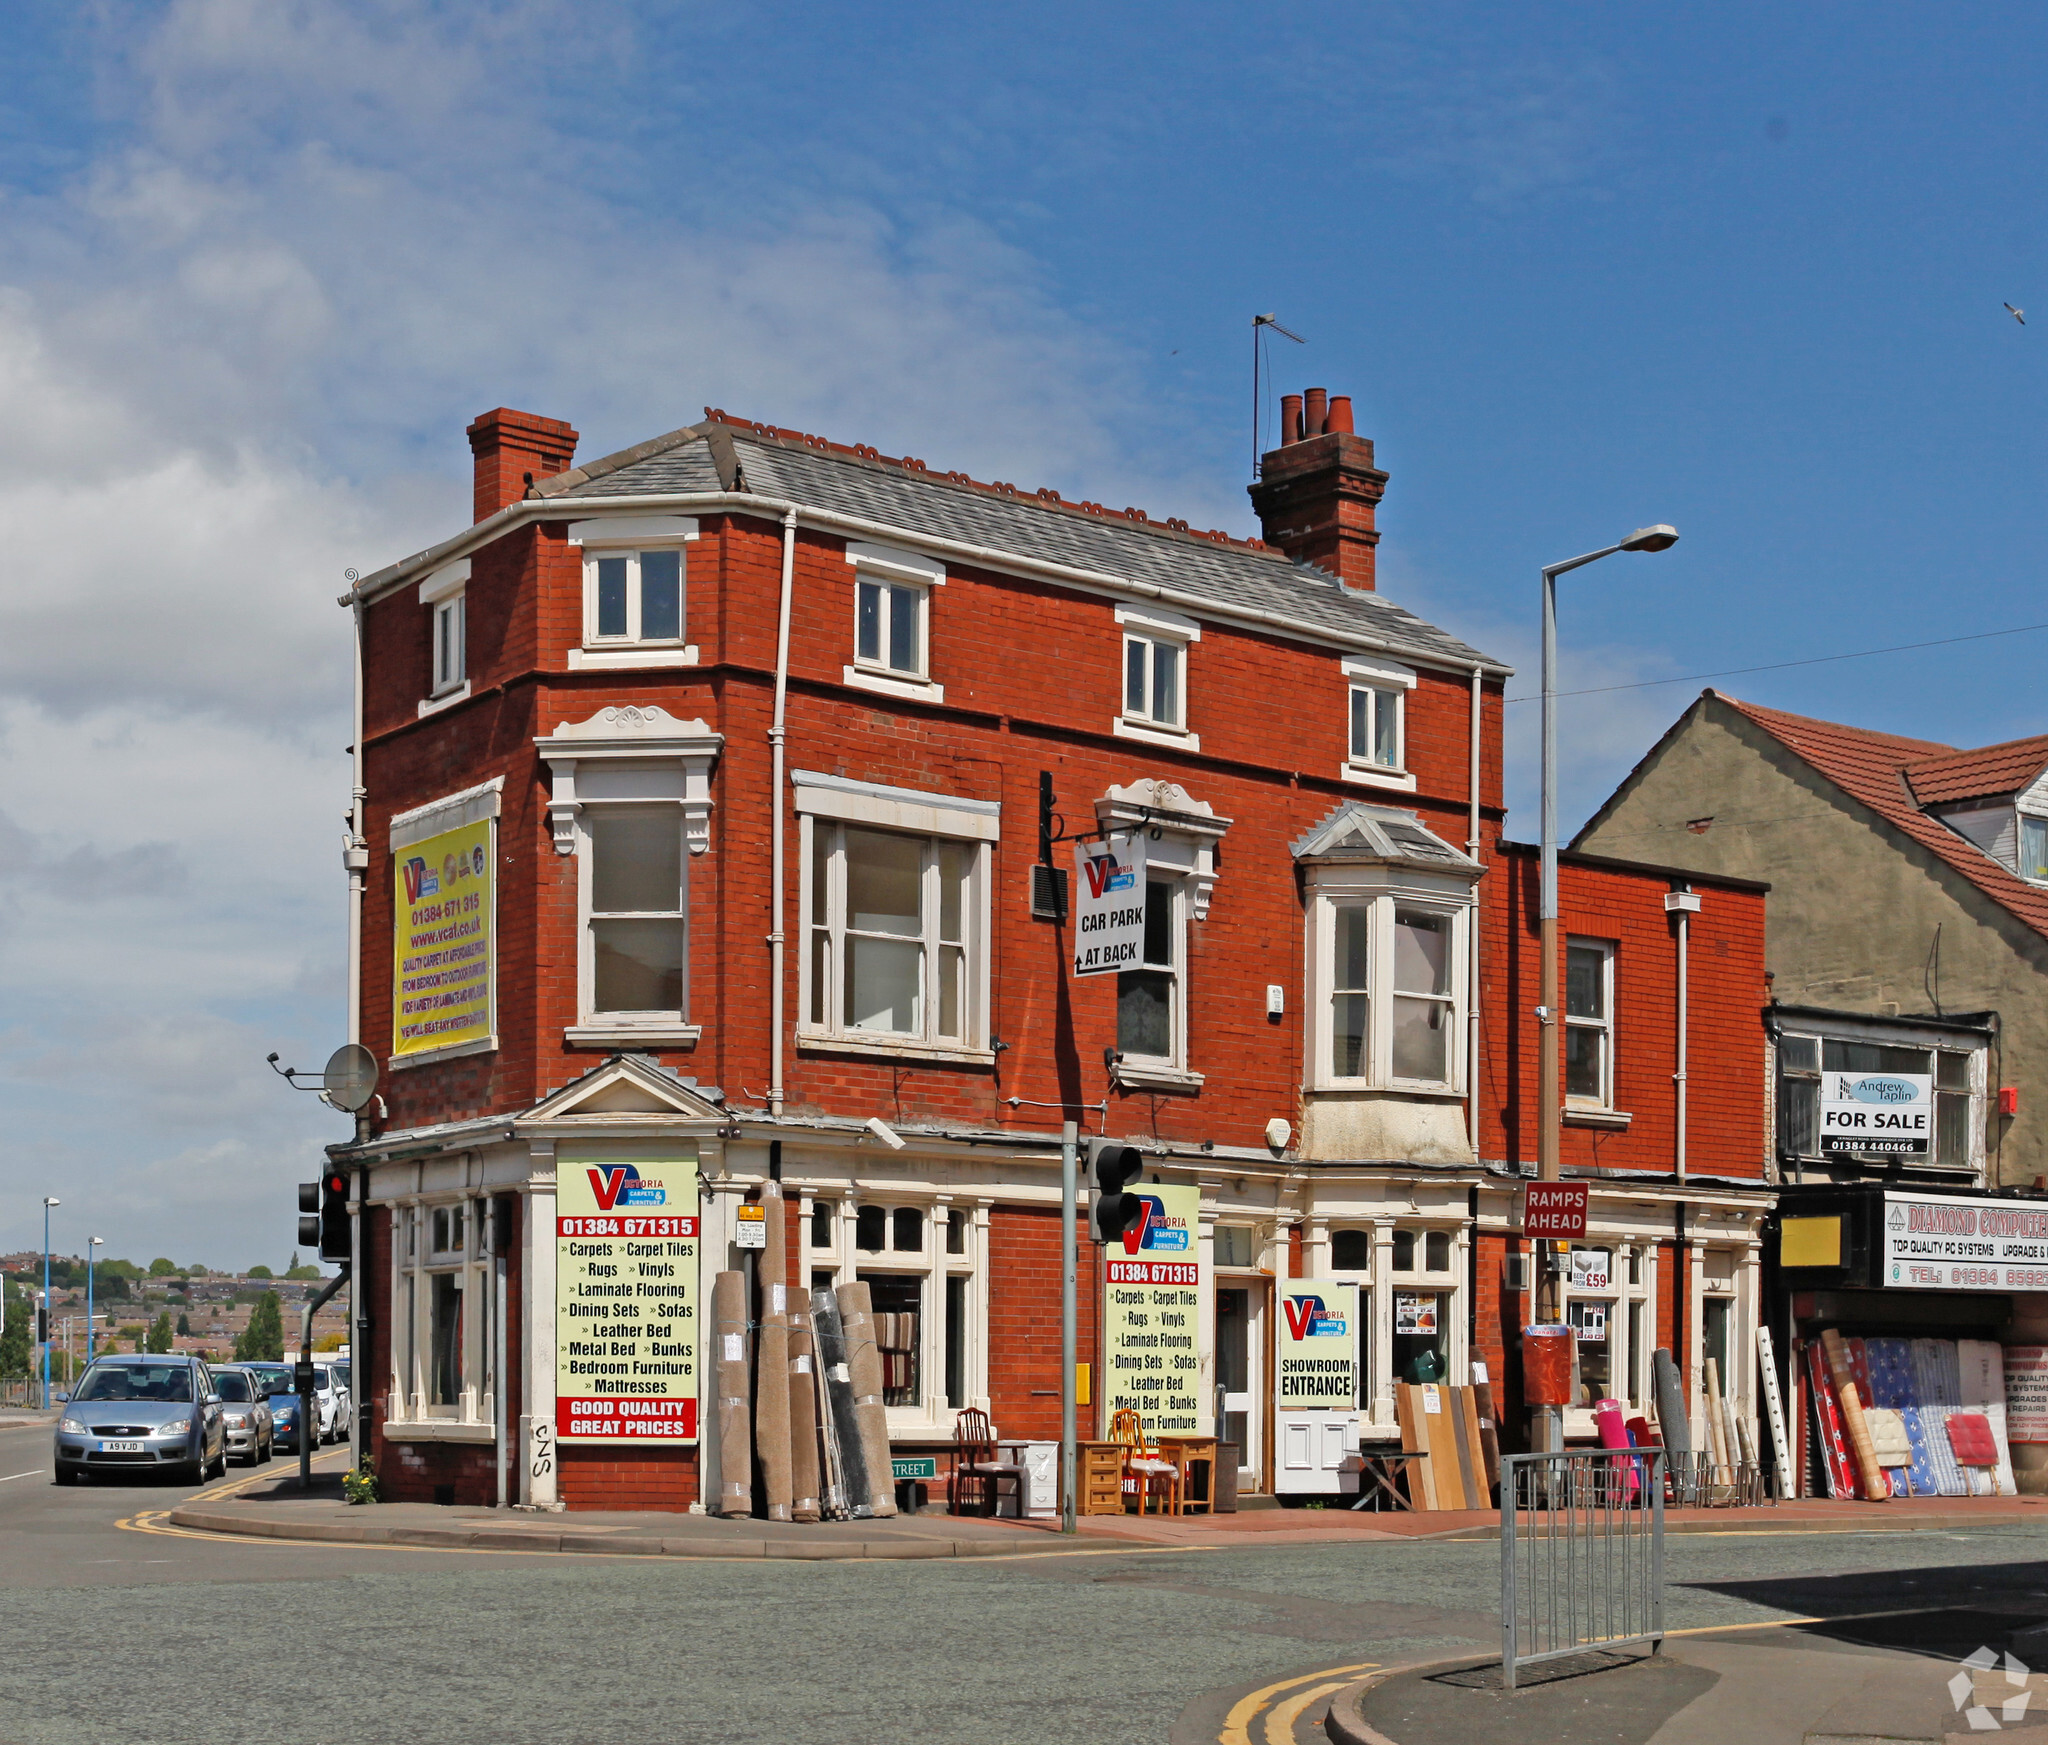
1478	1486
1415	1439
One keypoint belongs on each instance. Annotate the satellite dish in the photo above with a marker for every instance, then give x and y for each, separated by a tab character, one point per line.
351	1076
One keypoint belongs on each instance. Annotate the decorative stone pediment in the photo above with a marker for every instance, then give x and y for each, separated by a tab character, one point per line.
1359	833
628	1092
630	751
1187	828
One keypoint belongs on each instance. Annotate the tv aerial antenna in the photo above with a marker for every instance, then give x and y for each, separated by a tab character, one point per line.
347	1082
1259	325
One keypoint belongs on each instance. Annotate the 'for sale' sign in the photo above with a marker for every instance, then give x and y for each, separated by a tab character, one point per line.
1554	1209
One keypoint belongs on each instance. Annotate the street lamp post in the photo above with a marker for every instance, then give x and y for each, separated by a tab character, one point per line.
1548	1425
90	1257
45	1328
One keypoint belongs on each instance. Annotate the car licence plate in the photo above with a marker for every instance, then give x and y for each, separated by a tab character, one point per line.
121	1448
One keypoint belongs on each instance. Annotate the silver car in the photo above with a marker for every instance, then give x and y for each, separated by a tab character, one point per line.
158	1412
245	1414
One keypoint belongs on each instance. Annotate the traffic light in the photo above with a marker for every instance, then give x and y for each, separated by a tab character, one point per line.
334	1230
42	1326
309	1215
1113	1165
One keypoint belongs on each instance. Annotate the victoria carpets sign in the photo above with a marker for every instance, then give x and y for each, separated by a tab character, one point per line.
1964	1245
1318	1346
1152	1314
625	1298
1109	904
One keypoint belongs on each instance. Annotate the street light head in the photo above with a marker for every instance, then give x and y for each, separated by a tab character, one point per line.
1658	538
50	1202
99	1242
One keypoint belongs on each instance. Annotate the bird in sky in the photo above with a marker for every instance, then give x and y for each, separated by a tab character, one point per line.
2019	315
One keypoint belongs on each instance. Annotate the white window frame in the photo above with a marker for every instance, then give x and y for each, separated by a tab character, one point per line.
1609	950
1625	1361
627	536
445	594
651	1025
1334	889
2039	824
826	803
916	576
1148	630
415	1264
845	1262
1168	1070
1387	683
627	753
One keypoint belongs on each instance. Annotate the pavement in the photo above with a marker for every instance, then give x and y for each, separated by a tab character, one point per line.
270	1505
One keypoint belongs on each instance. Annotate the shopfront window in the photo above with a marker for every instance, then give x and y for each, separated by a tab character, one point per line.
440	1308
922	1265
898	1305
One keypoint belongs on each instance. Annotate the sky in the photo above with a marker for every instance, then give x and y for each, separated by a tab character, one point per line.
1581	267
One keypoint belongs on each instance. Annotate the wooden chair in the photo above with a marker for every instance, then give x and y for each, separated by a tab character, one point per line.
1155	1476
977	1474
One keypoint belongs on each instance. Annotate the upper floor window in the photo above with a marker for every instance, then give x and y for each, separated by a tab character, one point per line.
635	590
1155	673
1589	1022
445	596
2034	848
1389	919
1151	1015
893	591
634	596
1955	1075
1377	750
635	911
894	916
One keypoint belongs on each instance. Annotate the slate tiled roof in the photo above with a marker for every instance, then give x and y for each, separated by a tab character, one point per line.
1875	769
905	495
1983	774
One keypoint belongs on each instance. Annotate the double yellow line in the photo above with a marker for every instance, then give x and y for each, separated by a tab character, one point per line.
1287	1709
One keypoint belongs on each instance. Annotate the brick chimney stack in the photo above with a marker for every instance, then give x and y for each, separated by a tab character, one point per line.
508	446
1318	491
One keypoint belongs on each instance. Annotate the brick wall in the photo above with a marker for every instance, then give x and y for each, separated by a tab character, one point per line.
1024	1320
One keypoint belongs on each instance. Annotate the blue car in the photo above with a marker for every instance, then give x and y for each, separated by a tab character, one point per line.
276	1378
159	1412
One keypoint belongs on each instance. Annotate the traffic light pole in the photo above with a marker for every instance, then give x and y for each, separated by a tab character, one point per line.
309	1412
1069	1267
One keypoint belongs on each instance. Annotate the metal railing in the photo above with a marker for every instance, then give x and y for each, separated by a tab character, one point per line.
1581	1553
1696	1481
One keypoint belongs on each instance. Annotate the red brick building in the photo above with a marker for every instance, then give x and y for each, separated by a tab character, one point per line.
699	818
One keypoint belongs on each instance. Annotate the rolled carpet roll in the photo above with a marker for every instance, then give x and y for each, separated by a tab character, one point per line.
735	1401
1717	1432
830	1337
1674	1425
771	1363
864	1367
803	1413
1876	1485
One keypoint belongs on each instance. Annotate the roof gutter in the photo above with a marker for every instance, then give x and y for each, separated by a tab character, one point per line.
528	509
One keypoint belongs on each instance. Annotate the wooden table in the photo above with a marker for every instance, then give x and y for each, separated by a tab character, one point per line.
1184	1451
1378	1471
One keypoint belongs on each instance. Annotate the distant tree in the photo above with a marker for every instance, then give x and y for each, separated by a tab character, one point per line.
136	1333
160	1332
14	1339
261	1272
110	1289
262	1341
162	1268
184	1326
198	1271
303	1272
118	1269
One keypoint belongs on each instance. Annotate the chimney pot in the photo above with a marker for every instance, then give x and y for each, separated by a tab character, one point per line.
1314	410
1338	418
1290	419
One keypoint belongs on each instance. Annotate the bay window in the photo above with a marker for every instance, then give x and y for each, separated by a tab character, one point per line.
1388	937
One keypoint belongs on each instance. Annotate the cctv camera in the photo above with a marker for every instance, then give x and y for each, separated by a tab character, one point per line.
885	1133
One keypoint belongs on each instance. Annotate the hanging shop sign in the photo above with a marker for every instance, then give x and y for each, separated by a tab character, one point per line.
443	949
1153	1289
1891	1113
1963	1245
625	1298
1318	1346
1109	904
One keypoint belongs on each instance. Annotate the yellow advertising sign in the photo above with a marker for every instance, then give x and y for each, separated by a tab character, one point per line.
1152	1315
626	1298
444	955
